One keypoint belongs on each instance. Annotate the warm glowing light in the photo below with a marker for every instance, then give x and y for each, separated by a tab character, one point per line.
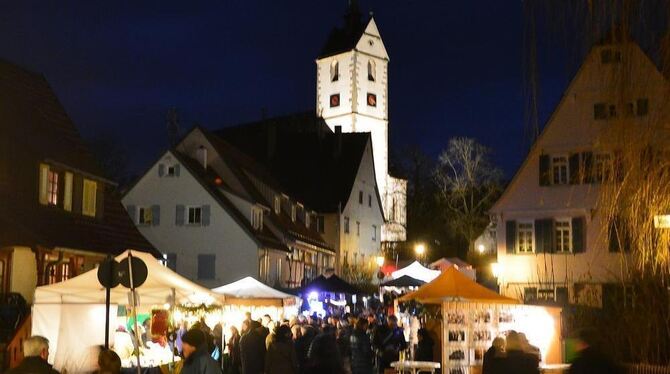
420	249
481	248
496	269
662	221
537	324
380	261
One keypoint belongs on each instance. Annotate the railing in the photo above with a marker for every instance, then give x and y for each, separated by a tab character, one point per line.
15	347
645	369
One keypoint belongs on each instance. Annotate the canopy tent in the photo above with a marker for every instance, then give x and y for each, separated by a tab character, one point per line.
249	291
332	284
157	289
452	285
404	281
416	271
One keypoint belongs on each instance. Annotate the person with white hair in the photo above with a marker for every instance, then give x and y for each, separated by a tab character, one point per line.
35	355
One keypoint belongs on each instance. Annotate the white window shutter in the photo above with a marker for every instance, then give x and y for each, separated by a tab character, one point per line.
179	216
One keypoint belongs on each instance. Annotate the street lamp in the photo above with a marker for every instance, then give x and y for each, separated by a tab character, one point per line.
380	261
420	249
481	248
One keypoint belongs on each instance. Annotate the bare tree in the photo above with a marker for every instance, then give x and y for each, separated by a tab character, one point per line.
468	184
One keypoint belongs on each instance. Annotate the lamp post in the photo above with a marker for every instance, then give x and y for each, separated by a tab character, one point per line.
420	250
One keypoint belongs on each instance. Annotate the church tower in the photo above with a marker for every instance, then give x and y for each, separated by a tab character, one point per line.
352	93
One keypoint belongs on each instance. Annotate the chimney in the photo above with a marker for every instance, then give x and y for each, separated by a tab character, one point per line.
271	141
338	141
201	156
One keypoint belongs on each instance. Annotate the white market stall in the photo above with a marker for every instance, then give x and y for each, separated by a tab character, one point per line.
416	271
250	295
71	314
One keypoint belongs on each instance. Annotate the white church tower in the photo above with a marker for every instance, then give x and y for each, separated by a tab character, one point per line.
352	92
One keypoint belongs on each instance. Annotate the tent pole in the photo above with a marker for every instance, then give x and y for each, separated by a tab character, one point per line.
172	305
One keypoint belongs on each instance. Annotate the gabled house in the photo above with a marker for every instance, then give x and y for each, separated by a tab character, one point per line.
60	216
551	241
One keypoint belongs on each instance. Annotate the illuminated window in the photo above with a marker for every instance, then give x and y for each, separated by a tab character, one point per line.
257	218
67	194
372	71
562	235
277	204
346	225
525	237
559	165
89	198
602	167
52	188
145	216
334	71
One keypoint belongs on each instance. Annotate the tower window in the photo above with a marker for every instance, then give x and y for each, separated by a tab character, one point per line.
334	100
334	71
372	99
372	71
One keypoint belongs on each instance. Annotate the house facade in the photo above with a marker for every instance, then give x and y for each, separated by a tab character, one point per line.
552	244
60	216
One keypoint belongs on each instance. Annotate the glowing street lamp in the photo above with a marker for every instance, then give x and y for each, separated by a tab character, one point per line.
481	248
420	249
380	261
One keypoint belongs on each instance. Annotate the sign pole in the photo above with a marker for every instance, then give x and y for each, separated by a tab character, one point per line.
132	292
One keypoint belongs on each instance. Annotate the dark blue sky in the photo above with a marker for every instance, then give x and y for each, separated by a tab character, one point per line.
456	66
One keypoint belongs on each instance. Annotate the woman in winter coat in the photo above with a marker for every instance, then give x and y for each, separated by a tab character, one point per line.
280	357
361	351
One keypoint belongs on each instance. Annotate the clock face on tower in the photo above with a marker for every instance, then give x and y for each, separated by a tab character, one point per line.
334	100
372	99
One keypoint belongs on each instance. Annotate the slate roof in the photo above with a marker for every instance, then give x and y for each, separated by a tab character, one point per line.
308	160
34	128
343	39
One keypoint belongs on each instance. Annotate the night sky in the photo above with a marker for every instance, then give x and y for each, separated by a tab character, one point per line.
455	70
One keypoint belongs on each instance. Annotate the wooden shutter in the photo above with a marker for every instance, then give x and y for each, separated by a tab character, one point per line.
132	212
77	193
545	176
578	234
205	215
100	200
544	235
161	170
155	215
179	215
587	167
573	165
43	184
510	237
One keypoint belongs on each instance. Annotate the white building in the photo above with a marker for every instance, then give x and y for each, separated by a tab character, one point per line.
352	93
551	243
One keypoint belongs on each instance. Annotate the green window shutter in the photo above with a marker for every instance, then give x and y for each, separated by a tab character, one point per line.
179	215
545	176
544	235
578	234
510	236
573	165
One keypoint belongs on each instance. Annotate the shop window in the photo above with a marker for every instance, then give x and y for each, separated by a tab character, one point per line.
89	198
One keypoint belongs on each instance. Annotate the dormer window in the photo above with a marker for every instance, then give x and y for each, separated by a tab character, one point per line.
372	71
171	171
277	204
293	212
257	218
52	188
334	71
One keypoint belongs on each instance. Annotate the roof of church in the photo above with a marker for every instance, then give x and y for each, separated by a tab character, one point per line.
35	128
343	39
309	161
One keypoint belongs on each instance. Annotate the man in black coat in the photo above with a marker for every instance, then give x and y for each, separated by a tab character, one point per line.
590	360
252	348
518	361
35	353
389	342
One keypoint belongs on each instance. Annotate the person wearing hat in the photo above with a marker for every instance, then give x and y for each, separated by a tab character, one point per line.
196	358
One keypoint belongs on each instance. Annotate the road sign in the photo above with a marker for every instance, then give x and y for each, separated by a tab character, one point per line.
139	272
108	273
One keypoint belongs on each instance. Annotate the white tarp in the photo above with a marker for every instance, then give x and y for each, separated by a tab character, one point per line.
250	288
416	271
156	290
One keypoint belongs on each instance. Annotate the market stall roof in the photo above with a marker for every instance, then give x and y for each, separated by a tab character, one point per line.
404	281
333	284
452	285
249	291
157	289
416	271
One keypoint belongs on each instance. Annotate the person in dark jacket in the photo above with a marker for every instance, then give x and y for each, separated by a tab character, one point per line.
252	348
362	358
35	353
324	356
390	341
234	351
424	350
517	360
302	344
494	357
280	357
108	362
197	359
590	360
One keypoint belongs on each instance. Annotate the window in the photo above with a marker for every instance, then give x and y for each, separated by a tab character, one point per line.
171	171
374	233
370	200
372	71
277	204
257	218
602	167
562	235
346	225
358	228
546	294
529	294
206	266
320	224
360	197
171	261
612	111
642	107
345	257
334	71
67	194
525	237
293	212
600	111
308	220
559	165
52	188
334	100
145	216
372	99
194	215
89	198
